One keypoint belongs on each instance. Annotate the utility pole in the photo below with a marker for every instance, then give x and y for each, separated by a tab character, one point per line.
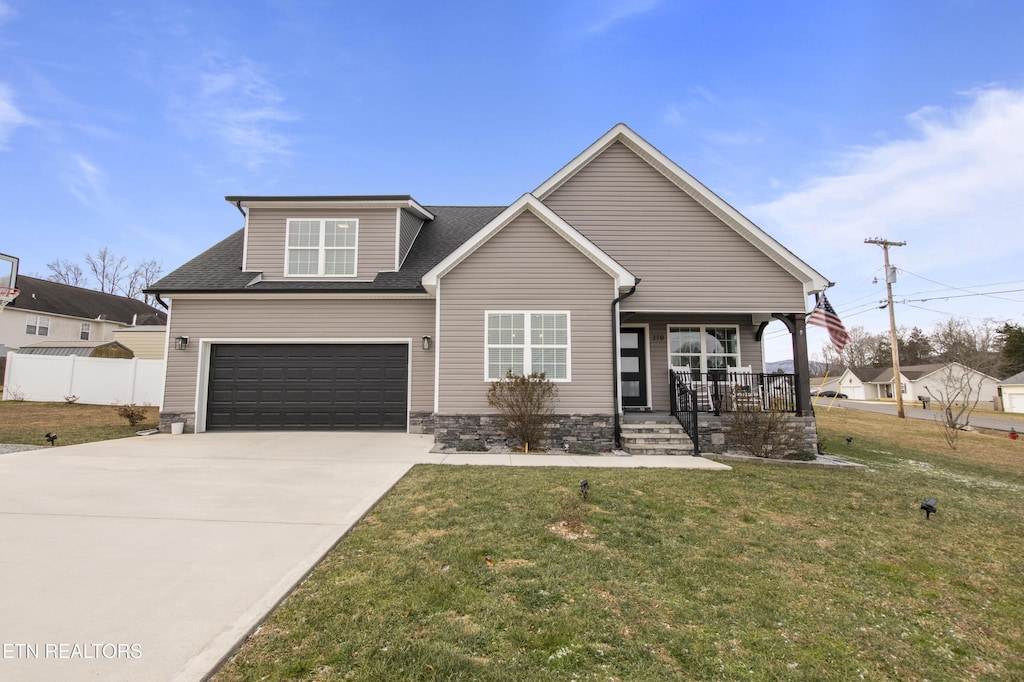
890	277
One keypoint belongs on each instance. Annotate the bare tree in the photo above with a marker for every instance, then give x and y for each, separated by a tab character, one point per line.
958	393
139	279
66	272
974	346
107	269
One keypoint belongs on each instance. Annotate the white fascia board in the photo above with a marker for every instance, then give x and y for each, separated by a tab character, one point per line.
528	202
408	204
812	280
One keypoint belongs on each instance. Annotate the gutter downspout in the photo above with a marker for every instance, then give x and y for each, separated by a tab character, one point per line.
615	362
238	205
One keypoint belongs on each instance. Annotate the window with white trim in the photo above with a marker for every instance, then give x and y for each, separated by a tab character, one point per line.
321	247
704	349
527	343
37	325
85	332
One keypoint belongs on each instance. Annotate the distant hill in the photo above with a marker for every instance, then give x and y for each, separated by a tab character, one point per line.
787	367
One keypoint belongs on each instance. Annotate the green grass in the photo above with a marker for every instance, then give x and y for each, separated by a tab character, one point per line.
24	422
767	572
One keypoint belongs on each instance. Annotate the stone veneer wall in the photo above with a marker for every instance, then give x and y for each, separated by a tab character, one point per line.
167	417
714	435
597	430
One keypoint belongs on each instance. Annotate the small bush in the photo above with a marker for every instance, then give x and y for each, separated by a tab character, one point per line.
525	405
133	413
763	433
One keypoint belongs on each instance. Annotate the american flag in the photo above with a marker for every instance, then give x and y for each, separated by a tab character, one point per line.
824	315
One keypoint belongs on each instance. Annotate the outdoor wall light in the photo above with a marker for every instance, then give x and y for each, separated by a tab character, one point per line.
930	507
426	343
180	342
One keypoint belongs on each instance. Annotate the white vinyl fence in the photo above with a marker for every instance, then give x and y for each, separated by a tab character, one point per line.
96	381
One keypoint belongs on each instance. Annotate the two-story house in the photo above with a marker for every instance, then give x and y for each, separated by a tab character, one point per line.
45	311
378	312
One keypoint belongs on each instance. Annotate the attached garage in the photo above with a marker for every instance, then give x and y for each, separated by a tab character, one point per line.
308	386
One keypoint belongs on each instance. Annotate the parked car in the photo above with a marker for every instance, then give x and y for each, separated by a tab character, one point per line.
831	394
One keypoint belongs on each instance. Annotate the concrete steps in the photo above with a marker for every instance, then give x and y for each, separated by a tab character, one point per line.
655	437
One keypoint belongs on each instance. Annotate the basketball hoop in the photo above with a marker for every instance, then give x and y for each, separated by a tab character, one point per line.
7	294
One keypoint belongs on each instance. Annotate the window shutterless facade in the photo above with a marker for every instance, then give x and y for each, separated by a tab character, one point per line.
704	349
321	247
85	332
527	343
37	325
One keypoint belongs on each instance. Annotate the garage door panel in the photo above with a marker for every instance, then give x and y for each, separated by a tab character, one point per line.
308	386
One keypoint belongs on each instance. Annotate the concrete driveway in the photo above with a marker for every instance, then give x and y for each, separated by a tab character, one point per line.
149	558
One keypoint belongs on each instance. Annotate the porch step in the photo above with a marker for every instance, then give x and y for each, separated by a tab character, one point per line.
655	437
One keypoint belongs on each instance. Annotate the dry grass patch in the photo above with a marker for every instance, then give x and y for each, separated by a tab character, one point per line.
25	422
973	448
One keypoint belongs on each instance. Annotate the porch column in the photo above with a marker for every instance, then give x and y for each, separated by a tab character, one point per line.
797	325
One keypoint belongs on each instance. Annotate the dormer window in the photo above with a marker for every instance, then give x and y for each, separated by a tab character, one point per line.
321	247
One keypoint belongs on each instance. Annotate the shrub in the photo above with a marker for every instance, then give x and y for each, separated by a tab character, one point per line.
525	405
582	449
764	433
133	413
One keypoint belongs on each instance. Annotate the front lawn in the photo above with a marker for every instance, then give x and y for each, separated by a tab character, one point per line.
26	422
765	572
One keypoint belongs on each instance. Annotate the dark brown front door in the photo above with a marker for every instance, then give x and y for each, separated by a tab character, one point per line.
633	367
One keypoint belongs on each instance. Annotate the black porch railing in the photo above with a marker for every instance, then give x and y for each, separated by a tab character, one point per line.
683	405
721	391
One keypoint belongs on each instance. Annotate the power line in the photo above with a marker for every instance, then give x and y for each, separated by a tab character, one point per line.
969	291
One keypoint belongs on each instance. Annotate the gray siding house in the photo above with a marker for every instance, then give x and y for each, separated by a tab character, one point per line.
377	312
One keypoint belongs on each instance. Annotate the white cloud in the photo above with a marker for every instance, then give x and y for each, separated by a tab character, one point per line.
6	12
10	116
953	190
234	103
614	11
85	180
950	180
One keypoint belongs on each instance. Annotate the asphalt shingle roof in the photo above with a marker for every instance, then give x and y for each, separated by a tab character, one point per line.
219	267
44	296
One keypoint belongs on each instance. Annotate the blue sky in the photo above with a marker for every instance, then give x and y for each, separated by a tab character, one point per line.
125	124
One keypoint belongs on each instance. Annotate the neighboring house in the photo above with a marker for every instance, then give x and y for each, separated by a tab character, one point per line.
855	383
148	342
49	311
82	349
378	312
875	383
826	383
1011	392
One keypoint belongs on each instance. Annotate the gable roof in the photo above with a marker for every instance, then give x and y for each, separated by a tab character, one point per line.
80	348
44	296
1016	380
915	372
528	202
812	280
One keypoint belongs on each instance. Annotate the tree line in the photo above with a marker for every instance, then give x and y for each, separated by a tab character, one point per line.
109	273
995	348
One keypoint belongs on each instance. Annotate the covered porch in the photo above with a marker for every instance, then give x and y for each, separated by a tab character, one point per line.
688	364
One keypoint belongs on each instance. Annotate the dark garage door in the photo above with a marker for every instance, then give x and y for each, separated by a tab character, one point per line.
308	386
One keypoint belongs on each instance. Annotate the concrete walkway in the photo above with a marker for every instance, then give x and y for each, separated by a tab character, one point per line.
151	558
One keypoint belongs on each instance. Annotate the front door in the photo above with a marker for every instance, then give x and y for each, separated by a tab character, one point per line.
633	367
